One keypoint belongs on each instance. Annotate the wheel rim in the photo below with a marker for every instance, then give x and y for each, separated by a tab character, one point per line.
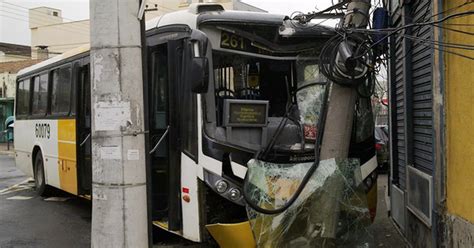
39	173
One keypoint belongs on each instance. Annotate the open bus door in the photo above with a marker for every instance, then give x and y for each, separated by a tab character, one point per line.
175	73
83	127
164	68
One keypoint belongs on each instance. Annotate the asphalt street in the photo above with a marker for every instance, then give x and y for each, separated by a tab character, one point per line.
27	220
9	174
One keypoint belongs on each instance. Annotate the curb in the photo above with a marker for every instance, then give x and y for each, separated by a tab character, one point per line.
8	153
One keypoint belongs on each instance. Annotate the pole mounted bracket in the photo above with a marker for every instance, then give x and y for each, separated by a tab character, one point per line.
141	10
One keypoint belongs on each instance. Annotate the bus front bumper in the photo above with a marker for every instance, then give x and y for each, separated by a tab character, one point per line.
232	235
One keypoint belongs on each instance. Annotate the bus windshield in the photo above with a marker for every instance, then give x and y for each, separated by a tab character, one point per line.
293	88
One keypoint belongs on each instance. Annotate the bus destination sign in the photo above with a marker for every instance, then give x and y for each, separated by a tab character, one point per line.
250	113
237	42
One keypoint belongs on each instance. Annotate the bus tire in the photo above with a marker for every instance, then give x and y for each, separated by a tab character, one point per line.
40	183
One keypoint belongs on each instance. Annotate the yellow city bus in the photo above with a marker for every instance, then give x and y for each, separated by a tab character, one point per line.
218	85
52	117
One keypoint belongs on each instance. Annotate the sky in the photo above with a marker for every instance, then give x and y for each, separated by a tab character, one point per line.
14	13
14	16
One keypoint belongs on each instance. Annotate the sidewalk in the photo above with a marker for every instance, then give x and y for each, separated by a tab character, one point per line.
4	149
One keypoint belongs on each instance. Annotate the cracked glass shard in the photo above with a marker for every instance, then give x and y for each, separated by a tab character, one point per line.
310	96
331	211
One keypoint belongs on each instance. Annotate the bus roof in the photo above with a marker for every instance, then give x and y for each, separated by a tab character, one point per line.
231	16
65	55
200	13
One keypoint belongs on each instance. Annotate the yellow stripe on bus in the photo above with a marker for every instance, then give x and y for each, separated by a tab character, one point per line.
67	155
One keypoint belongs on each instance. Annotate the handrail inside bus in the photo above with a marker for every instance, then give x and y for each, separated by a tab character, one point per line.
159	141
83	142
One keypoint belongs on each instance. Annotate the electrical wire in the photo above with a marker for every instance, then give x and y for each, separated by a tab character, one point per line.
28	9
62	28
391	31
306	178
454	30
438	47
424	18
410	49
419	41
456	15
329	56
460	24
444	44
39	19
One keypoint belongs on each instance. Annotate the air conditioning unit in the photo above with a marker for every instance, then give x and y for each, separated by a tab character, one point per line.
419	190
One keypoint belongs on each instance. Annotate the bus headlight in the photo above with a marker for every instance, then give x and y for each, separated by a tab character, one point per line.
224	187
221	186
234	194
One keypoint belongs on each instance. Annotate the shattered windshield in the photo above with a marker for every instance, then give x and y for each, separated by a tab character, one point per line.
331	211
310	95
294	89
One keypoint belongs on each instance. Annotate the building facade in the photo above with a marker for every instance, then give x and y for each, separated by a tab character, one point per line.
457	73
432	122
52	35
8	72
13	52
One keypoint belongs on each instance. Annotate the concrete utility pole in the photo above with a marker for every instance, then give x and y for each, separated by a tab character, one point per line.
338	127
339	119
119	214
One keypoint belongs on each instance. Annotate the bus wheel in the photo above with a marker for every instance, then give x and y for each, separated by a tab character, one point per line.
40	183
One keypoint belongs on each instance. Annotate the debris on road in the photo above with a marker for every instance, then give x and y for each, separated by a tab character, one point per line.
19	197
57	199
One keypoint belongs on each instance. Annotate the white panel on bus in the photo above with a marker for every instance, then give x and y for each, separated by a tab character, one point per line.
190	199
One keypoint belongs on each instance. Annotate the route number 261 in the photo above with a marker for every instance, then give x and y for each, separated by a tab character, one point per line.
232	41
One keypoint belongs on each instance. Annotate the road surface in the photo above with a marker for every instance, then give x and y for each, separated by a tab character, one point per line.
27	220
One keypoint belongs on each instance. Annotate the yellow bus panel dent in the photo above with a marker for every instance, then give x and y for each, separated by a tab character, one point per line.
232	235
67	155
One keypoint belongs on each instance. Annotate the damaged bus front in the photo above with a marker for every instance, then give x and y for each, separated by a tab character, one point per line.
226	87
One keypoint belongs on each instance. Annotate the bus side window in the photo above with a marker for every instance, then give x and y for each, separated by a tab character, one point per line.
363	120
23	97
61	90
188	117
75	81
159	70
40	95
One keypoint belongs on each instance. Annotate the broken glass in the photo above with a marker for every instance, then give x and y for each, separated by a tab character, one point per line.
364	120
310	96
331	210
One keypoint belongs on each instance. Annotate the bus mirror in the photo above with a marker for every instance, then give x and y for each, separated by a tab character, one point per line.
197	74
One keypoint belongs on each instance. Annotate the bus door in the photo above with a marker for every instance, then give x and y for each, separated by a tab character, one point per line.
164	76
84	150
